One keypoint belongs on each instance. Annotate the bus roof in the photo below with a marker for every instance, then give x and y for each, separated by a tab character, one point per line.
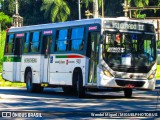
67	24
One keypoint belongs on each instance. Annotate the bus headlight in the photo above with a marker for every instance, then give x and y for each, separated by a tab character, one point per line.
107	73
151	76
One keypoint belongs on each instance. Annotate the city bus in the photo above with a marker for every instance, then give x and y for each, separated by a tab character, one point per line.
82	55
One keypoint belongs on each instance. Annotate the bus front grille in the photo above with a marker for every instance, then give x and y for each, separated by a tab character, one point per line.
135	83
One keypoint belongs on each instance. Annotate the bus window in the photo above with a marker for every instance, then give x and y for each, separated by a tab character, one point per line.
77	38
35	44
62	40
10	44
26	44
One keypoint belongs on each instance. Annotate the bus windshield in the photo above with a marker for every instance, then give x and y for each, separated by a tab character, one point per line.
122	51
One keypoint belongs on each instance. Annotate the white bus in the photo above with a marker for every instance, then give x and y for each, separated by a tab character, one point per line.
78	55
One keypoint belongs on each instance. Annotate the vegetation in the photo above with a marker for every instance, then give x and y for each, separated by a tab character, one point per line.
4	83
2	42
158	72
56	10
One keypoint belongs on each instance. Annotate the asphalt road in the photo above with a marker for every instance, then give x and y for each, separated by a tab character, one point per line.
54	103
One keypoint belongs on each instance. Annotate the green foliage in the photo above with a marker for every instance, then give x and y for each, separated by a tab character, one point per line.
31	12
9	7
87	2
5	21
2	43
56	10
158	72
4	83
158	44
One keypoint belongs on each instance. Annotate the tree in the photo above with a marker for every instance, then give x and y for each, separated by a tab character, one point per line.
31	12
112	8
55	10
8	7
138	3
5	21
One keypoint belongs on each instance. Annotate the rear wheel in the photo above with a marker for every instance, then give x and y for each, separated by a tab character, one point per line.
31	87
80	87
128	92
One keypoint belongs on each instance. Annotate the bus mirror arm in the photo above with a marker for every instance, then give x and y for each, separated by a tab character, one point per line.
102	39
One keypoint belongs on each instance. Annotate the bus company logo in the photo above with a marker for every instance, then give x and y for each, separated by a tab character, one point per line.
66	62
30	60
78	61
131	76
60	62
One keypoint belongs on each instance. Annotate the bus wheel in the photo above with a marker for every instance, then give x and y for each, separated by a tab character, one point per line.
31	87
80	88
128	92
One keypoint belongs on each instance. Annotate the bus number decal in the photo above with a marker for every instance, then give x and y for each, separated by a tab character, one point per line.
30	60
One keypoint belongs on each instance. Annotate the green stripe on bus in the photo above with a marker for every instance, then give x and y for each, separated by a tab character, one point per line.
61	56
69	56
11	59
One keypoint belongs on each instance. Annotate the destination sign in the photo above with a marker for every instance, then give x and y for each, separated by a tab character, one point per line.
124	25
48	32
20	35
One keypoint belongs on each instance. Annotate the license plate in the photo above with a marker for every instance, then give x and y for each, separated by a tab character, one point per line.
130	86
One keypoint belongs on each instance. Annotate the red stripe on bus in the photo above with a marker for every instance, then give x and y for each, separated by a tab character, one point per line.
75	56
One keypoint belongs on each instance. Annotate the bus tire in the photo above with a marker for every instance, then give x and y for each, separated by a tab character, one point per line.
31	87
80	87
128	92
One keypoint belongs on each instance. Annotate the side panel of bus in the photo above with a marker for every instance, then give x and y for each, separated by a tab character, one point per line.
32	62
8	60
12	57
32	58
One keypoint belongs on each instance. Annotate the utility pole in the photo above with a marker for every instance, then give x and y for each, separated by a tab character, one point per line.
17	20
16	3
79	9
95	9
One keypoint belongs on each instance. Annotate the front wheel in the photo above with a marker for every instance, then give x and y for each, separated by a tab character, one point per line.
128	92
31	87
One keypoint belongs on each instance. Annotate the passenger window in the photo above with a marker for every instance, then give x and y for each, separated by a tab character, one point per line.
77	39
35	44
10	44
26	44
62	40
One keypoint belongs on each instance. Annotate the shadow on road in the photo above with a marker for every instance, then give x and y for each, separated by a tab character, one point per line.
58	92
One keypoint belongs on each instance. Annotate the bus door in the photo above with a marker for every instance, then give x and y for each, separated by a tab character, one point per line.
47	41
92	51
19	40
